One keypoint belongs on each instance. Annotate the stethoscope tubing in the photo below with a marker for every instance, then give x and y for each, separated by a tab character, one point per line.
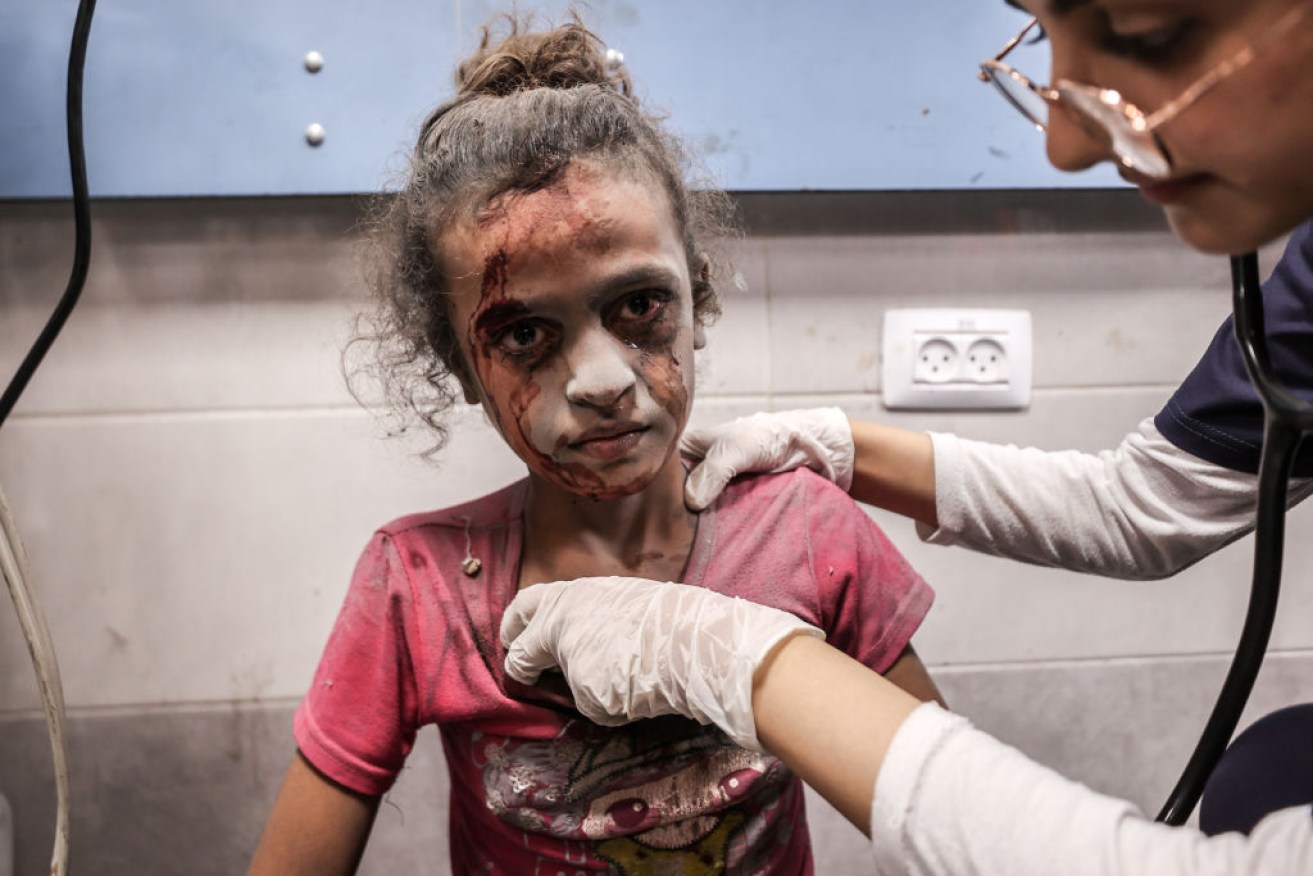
1287	419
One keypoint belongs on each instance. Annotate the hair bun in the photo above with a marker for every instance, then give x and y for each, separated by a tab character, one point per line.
565	57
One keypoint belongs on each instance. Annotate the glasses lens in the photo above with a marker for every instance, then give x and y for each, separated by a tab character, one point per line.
1014	87
1106	116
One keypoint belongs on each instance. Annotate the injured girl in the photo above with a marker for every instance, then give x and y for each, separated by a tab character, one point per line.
547	257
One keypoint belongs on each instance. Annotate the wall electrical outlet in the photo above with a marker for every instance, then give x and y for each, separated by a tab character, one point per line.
956	359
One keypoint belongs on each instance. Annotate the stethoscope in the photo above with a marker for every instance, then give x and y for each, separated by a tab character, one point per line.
1287	419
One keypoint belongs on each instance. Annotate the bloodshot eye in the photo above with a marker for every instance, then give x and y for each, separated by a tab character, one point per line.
640	306
521	338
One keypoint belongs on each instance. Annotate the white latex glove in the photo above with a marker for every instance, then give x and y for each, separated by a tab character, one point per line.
820	439
632	648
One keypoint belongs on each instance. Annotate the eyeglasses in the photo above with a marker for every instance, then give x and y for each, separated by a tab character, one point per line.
1127	130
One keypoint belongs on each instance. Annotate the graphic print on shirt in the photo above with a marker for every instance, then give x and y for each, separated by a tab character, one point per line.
658	796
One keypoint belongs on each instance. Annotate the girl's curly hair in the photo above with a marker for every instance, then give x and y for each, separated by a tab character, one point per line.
526	106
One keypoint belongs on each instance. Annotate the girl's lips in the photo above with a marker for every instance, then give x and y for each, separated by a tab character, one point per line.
609	447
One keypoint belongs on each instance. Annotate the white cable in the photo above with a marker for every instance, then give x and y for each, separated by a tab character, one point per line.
13	563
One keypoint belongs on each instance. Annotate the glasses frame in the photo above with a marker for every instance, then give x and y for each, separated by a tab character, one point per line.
1127	123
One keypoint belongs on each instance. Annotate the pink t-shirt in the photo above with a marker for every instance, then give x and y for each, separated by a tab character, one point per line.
541	790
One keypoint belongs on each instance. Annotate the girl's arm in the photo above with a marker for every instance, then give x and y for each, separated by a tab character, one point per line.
829	718
316	827
910	674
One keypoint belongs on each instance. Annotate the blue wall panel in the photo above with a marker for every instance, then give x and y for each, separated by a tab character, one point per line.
210	98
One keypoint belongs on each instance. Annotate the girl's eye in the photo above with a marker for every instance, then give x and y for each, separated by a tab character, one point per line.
523	337
640	306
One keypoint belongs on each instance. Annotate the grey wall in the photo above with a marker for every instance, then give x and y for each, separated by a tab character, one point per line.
194	484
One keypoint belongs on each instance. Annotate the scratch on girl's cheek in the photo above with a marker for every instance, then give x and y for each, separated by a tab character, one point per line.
666	381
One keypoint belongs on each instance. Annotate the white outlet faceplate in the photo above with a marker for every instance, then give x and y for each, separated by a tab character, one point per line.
956	359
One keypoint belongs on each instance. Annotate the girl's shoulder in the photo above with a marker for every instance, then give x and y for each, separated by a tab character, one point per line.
796	483
494	511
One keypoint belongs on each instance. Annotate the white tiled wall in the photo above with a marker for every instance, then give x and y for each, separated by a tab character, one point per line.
193	481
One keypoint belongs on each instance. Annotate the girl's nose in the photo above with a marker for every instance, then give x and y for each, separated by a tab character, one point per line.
601	374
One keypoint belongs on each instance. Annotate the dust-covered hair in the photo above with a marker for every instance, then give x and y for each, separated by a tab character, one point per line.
527	104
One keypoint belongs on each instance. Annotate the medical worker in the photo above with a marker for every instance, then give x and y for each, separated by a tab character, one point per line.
1206	106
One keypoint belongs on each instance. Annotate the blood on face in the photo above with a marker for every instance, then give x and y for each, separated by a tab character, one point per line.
594	255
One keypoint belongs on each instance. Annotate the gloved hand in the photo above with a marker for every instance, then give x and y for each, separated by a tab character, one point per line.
820	439
632	648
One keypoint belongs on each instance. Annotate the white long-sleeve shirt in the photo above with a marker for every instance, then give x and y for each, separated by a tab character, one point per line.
953	801
1145	510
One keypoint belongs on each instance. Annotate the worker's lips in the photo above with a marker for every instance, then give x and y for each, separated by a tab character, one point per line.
1167	192
611	442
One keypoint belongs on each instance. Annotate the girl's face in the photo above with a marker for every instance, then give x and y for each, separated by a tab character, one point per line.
574	311
1241	168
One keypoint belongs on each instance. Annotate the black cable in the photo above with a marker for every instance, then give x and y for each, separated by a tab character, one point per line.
1287	419
81	215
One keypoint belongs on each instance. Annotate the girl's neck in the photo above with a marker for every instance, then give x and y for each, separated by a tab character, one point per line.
648	534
